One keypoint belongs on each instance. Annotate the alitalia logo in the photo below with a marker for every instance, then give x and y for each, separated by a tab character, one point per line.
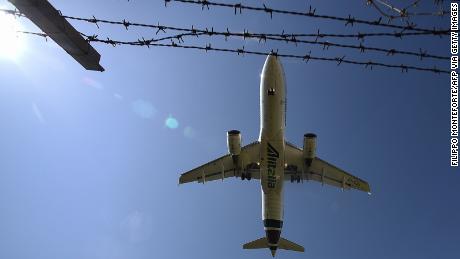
272	156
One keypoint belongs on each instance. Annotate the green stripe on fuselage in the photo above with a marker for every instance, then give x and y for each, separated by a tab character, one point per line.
272	156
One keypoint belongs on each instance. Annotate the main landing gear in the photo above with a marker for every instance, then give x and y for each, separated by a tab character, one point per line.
246	176
295	178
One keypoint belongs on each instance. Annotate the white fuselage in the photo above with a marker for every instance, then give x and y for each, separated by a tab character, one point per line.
272	121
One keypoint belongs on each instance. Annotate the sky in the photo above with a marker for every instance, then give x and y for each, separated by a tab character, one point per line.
90	161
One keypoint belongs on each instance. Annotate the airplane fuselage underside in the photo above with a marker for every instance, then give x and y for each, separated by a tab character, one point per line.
272	116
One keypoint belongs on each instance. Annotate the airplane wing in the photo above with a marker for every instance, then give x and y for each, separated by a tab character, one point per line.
224	166
320	171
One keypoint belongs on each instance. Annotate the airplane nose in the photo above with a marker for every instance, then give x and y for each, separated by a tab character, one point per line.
272	66
271	62
271	58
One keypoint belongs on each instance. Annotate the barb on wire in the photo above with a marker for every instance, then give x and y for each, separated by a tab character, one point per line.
350	20
126	24
94	20
268	10
340	60
90	37
108	41
306	57
238	7
204	4
369	64
160	28
227	34
240	51
310	13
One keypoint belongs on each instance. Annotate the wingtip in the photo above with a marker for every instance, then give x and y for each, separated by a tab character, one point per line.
181	180
367	187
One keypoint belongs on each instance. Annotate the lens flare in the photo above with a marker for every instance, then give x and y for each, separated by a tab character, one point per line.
143	109
11	44
171	122
92	82
189	132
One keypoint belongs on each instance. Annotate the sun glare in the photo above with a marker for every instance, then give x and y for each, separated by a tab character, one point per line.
11	44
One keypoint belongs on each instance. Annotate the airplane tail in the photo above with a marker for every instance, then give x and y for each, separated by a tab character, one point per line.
282	244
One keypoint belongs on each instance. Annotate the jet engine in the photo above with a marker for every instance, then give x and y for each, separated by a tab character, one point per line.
309	148
234	142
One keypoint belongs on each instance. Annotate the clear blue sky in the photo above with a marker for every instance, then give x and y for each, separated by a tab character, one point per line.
89	167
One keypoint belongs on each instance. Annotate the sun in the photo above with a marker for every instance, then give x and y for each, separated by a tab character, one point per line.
11	43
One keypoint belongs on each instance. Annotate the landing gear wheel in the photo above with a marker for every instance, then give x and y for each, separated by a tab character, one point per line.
298	179
248	177
243	176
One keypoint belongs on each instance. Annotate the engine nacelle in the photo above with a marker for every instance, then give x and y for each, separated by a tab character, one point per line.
234	142
309	147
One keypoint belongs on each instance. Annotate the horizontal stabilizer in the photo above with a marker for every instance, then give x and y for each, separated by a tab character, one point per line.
288	245
257	244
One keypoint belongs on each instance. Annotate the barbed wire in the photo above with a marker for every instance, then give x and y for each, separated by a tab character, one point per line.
263	37
306	57
317	34
241	51
271	36
278	37
361	36
326	44
350	20
179	37
197	33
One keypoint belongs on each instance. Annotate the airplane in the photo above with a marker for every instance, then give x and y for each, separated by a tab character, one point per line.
273	160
